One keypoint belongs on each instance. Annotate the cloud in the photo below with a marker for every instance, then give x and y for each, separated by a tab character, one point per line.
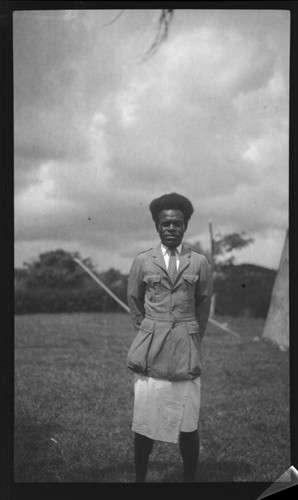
98	135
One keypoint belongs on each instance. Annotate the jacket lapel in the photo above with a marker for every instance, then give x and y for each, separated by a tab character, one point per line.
158	259
184	261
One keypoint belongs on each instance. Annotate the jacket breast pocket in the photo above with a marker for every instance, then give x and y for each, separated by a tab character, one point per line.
190	279
152	286
189	282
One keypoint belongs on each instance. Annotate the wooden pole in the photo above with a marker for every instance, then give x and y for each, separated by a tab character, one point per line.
100	283
212	247
223	327
212	309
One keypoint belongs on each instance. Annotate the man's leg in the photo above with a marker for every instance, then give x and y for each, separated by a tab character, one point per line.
143	448
189	448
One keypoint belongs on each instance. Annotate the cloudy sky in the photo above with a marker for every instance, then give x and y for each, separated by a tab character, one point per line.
100	131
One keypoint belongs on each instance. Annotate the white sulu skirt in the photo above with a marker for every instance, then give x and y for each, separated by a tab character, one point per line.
162	409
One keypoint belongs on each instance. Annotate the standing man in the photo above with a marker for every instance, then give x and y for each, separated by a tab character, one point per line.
169	294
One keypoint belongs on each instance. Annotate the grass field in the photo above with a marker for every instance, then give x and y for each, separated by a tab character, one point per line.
74	401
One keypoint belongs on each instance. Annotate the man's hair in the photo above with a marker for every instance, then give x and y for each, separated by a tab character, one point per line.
171	201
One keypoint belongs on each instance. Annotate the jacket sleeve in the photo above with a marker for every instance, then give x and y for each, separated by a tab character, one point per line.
136	292
203	296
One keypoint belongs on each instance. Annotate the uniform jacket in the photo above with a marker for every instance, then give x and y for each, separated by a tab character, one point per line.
169	319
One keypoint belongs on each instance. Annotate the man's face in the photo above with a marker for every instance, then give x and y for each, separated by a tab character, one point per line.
171	227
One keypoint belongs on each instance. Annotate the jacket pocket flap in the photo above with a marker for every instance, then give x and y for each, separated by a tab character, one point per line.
152	278
192	327
191	278
147	325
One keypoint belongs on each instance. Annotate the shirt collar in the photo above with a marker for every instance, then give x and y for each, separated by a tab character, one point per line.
164	249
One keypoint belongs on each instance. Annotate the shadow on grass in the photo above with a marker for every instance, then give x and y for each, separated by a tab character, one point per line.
171	472
210	472
158	471
39	457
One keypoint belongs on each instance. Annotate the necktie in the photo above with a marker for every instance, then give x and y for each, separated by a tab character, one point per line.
172	269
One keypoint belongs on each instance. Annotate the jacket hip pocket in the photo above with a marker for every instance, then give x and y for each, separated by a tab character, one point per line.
138	352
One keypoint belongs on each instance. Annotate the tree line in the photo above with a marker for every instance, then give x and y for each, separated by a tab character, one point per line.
56	283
